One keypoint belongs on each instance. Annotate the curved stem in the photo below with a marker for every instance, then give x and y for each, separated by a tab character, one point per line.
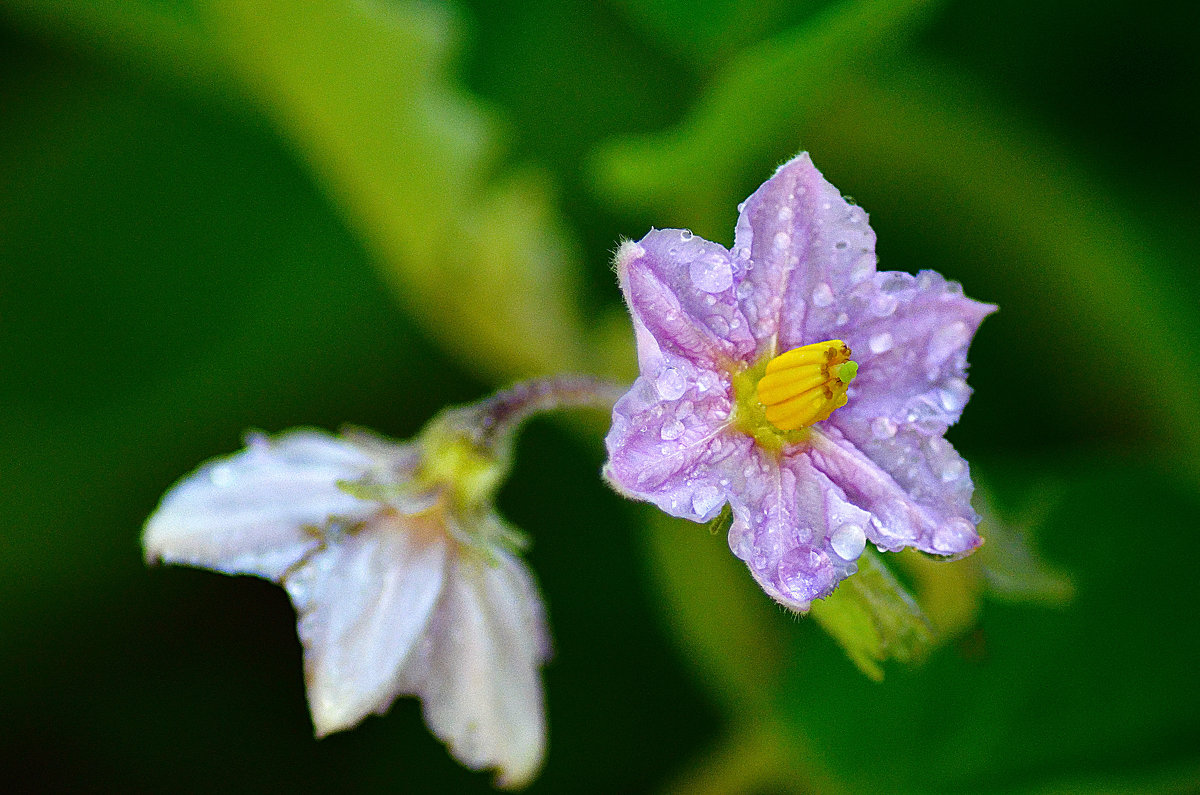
499	415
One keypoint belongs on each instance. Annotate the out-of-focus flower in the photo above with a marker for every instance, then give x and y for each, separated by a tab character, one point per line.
748	395
404	579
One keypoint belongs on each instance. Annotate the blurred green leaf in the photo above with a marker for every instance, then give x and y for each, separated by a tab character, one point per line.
482	263
364	93
1100	691
1009	560
874	618
688	174
731	632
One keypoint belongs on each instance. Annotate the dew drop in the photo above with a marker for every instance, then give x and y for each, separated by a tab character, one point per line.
862	268
706	381
953	469
685	234
946	341
883	304
741	207
671	430
705	499
842	319
800	572
822	295
670	384
848	541
880	343
883	428
719	325
710	300
712	274
221	475
954	536
785	213
782	240
954	394
684	409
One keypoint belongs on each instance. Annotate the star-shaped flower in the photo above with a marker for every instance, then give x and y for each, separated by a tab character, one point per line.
404	580
748	395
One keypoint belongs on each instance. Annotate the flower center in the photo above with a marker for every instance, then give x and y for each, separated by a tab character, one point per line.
805	385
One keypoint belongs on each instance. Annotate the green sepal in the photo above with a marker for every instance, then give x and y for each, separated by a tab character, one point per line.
874	618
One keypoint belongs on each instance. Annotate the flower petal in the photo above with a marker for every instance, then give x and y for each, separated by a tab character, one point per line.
806	245
362	602
258	511
477	671
794	528
911	502
669	451
909	335
681	290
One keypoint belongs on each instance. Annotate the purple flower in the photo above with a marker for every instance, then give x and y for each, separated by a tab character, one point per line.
748	395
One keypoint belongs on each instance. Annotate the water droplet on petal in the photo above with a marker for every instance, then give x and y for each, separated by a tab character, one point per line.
822	295
883	428
880	343
953	469
954	394
741	207
782	240
842	319
671	430
785	213
711	273
954	536
684	409
685	234
804	572
883	305
705	499
863	267
719	325
848	541
946	341
670	384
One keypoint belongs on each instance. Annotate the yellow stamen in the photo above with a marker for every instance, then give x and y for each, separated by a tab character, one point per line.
805	385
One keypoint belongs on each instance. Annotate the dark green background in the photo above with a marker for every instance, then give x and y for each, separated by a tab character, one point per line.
174	269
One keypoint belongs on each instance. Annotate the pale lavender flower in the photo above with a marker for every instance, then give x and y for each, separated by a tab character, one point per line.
403	579
747	394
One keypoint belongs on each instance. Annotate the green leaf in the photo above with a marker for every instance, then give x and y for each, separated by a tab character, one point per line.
364	94
1099	690
484	264
690	173
731	631
874	618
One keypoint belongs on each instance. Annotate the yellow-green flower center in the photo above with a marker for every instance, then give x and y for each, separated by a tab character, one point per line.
777	398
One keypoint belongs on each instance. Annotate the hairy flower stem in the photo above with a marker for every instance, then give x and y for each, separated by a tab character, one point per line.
498	416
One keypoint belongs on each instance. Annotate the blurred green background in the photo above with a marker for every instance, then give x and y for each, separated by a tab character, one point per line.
218	215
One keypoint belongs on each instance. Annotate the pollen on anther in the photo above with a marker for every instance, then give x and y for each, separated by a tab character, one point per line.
805	385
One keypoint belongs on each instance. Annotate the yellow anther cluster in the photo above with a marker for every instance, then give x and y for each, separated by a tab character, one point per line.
805	385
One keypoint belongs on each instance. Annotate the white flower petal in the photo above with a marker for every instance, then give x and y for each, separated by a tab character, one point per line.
477	671
255	512
362	602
